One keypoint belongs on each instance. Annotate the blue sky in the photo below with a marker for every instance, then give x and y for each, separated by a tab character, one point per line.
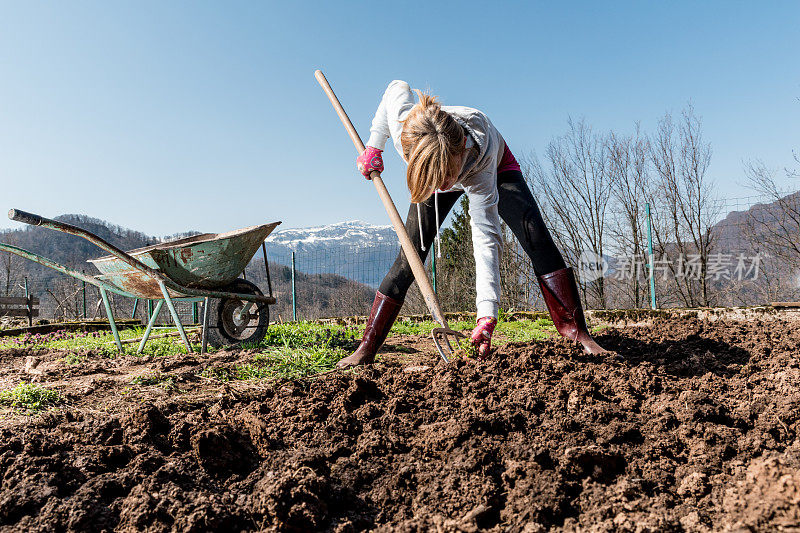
170	116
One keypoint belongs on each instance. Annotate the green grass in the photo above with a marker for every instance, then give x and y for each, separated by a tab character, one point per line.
155	378
514	331
311	334
74	359
407	327
525	330
281	362
30	397
101	342
293	363
300	349
293	351
165	347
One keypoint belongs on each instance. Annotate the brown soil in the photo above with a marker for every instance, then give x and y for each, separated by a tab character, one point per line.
695	430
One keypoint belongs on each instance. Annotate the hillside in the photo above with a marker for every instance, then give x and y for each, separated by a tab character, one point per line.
737	232
318	295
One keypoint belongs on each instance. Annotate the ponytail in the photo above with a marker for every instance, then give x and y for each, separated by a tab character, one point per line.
432	143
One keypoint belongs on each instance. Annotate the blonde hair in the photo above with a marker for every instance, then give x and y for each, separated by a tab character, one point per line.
432	143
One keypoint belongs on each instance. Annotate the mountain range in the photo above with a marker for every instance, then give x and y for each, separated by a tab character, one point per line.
356	250
353	234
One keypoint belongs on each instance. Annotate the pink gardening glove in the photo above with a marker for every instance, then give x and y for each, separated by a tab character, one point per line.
481	337
370	160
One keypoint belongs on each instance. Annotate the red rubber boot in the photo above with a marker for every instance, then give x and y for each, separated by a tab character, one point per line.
560	293
383	314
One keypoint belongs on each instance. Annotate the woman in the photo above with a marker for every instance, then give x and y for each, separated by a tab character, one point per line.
452	150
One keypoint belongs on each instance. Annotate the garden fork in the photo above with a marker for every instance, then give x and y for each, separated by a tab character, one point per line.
441	336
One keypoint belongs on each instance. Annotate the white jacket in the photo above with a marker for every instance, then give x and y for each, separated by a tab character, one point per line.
478	179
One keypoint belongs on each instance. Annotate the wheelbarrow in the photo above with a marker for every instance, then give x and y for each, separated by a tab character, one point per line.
199	268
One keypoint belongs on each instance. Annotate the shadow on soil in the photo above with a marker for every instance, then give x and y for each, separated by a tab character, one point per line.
690	356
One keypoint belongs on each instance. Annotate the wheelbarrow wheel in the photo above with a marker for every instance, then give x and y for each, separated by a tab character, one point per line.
228	328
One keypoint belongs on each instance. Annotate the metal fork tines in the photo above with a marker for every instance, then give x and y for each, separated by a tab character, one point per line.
444	334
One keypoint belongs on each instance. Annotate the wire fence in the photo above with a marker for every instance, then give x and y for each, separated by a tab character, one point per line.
337	281
365	265
319	283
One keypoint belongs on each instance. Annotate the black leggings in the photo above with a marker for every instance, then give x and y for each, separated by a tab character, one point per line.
518	210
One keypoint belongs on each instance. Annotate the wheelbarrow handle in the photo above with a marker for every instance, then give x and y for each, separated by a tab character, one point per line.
28	218
36	220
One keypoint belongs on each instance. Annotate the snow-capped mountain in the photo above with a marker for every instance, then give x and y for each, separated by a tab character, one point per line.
350	235
354	249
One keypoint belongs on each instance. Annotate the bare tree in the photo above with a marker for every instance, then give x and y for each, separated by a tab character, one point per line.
775	227
680	158
631	189
64	293
575	193
9	265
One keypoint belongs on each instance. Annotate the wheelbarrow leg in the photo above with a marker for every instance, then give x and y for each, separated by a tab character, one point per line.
150	325
110	316
175	317
206	304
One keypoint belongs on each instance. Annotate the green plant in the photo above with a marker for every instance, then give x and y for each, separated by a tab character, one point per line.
294	363
504	314
74	359
514	331
311	334
101	342
524	330
466	349
218	373
29	396
155	378
407	327
282	362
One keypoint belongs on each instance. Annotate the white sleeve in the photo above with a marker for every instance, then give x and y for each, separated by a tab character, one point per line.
486	244
397	101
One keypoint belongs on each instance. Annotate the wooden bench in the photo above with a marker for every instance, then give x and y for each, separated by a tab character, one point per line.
20	307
